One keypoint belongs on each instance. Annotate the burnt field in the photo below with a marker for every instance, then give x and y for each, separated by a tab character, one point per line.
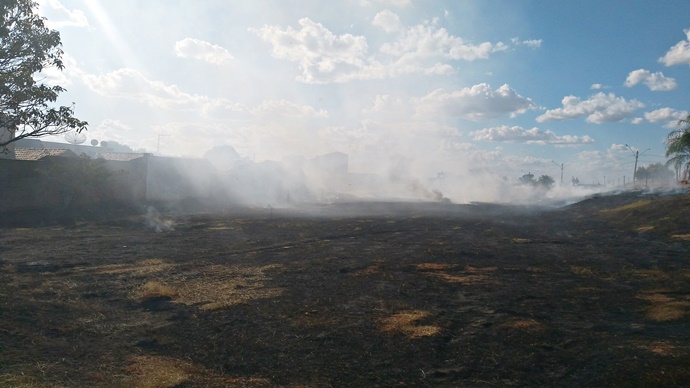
369	294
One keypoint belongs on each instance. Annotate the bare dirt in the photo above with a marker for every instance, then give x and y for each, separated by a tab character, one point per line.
373	294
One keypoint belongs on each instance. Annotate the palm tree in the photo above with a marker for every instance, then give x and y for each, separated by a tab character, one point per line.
678	146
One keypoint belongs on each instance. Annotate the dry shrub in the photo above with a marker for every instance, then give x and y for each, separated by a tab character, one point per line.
404	322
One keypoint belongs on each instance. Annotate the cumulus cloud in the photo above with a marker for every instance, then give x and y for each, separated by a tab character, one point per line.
322	56
654	81
325	57
428	40
60	16
517	134
203	51
668	115
678	54
479	102
387	21
596	86
599	108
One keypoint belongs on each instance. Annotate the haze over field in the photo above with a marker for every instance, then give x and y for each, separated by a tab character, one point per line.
481	92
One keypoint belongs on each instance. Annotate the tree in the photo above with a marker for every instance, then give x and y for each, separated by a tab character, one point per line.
27	47
678	146
545	181
657	173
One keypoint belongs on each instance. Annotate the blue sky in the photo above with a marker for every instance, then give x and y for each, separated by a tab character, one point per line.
492	88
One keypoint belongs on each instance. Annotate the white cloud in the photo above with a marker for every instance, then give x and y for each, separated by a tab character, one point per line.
596	86
678	54
535	135
387	21
599	108
130	84
654	81
534	43
396	3
637	120
325	57
669	115
201	50
60	16
479	102
282	109
427	40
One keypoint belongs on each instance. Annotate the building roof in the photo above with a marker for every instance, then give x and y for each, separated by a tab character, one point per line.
120	156
40	153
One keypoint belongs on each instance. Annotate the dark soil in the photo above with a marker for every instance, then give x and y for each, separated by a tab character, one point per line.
368	294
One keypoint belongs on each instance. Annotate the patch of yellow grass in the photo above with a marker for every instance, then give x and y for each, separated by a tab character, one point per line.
154	289
634	205
665	308
157	372
212	287
525	324
645	228
662	348
521	240
685	237
470	275
404	322
140	268
434	266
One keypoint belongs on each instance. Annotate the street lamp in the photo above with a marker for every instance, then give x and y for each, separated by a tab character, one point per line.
561	165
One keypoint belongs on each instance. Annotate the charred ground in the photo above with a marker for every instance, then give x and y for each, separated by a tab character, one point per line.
593	294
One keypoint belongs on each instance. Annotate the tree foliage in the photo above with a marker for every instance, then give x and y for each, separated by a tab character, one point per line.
543	181
28	47
678	145
655	172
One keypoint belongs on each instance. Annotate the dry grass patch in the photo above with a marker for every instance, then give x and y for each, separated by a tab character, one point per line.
149	371
665	308
434	266
685	237
154	289
404	322
631	206
470	275
212	287
521	240
525	324
140	268
661	347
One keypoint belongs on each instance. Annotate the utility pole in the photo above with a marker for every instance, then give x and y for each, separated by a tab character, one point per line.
561	165
637	156
158	147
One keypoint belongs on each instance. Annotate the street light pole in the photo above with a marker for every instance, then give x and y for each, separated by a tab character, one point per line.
561	165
